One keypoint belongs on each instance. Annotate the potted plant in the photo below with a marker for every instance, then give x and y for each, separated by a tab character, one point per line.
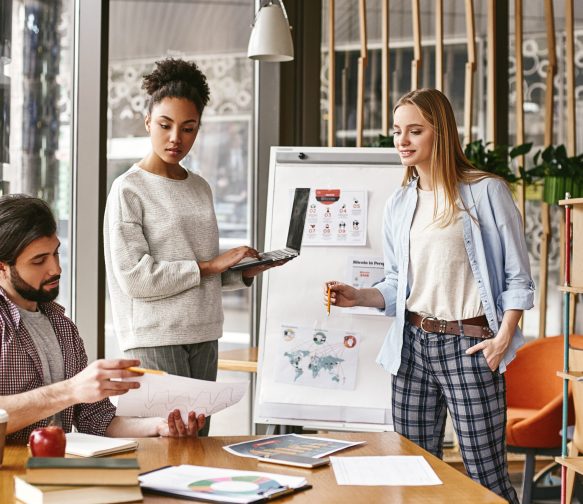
561	173
499	160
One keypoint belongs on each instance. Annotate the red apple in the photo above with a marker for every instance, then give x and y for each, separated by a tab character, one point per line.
47	442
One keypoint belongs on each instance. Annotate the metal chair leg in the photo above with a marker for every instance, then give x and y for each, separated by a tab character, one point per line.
527	477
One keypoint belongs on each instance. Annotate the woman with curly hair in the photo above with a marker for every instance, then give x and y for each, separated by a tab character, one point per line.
164	270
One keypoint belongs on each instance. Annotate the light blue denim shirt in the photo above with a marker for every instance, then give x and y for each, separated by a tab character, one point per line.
496	250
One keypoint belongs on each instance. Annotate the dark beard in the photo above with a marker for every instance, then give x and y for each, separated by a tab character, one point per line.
28	292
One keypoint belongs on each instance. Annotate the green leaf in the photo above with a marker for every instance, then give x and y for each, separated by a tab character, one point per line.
548	154
521	150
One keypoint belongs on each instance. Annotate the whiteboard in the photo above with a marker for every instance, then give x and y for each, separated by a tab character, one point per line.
294	293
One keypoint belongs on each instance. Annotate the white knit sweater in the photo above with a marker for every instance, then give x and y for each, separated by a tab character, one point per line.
155	231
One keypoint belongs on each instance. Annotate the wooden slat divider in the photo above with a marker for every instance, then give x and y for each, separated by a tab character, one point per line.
362	61
385	69
439	45
469	72
331	75
416	62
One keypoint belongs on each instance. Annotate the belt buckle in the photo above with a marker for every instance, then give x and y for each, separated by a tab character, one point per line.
426	317
442	324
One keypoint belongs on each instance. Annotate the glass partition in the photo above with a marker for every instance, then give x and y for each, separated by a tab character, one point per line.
36	74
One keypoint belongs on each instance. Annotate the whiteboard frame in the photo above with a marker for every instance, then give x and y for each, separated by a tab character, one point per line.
312	155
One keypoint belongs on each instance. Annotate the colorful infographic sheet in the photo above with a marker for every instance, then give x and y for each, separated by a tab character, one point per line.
289	444
364	272
317	357
336	217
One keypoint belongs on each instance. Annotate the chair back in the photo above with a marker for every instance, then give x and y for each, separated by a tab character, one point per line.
576	364
531	378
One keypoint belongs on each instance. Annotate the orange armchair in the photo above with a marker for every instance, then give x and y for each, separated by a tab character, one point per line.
534	396
576	444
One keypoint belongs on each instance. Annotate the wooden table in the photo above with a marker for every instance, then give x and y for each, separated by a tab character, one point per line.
157	452
244	359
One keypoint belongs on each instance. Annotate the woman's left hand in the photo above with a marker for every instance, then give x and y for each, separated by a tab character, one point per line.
493	348
256	270
175	427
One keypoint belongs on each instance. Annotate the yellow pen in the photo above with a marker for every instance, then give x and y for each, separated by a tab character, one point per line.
328	305
145	371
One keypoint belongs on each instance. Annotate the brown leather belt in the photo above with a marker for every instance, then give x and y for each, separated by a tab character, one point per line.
476	327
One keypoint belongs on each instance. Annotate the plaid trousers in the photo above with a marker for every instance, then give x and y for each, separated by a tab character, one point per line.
436	374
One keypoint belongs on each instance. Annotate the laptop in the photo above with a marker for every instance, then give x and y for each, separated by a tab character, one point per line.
294	235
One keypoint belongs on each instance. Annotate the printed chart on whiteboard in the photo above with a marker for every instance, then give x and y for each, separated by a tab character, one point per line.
316	357
336	217
363	272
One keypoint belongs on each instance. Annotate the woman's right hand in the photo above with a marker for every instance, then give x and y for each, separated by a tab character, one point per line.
341	294
224	261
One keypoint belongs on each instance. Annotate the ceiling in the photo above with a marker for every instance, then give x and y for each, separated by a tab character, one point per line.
150	28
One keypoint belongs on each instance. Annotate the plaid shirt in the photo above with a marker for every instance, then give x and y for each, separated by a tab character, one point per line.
21	368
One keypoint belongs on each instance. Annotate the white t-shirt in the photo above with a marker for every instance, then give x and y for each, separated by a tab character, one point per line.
440	276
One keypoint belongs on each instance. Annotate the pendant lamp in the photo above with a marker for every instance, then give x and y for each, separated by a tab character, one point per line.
271	35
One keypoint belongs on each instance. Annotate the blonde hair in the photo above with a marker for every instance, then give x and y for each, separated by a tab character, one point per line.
449	165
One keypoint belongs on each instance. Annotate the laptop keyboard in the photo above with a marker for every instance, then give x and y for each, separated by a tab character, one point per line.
278	255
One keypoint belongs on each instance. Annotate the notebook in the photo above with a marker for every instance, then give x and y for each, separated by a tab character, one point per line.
82	471
88	445
28	493
294	235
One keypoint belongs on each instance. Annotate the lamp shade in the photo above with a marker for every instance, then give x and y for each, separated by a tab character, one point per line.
271	36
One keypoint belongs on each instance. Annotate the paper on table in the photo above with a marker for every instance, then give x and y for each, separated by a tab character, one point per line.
88	445
406	470
158	395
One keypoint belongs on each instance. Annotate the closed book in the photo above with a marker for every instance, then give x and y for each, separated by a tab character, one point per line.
28	493
89	445
82	471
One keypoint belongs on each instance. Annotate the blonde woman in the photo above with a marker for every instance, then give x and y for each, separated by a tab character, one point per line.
457	282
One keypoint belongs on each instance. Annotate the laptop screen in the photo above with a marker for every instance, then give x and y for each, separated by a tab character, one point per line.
298	219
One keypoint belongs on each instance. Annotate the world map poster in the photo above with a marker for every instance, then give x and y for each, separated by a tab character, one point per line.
317	357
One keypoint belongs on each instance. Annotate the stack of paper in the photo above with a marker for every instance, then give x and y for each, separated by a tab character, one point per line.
392	470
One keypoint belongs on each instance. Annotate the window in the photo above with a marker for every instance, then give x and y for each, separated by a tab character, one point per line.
36	40
222	152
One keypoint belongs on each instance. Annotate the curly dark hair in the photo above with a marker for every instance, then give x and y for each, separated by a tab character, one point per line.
176	78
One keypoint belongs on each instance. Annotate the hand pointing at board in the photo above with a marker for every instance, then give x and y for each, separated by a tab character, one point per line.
344	295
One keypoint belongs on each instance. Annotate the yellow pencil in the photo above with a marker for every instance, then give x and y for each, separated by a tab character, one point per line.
144	370
328	305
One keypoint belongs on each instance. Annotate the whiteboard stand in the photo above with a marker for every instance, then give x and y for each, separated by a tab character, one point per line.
293	293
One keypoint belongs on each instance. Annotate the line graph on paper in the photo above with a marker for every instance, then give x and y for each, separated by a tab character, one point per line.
158	395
